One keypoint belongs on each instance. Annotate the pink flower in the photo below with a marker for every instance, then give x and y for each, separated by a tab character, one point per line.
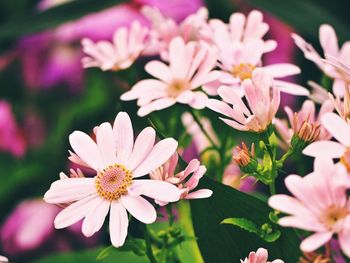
117	160
306	114
20	232
241	48
182	180
263	98
189	68
329	43
126	47
340	130
320	204
3	259
11	136
260	256
165	29
233	177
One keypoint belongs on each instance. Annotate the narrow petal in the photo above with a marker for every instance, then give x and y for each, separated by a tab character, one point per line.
339	128
139	208
282	70
329	40
118	224
325	149
155	189
86	149
124	136
74	212
156	105
160	153
95	217
201	193
159	70
344	241
143	146
106	143
291	88
315	241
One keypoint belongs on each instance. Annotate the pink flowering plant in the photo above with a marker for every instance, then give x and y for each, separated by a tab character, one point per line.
174	131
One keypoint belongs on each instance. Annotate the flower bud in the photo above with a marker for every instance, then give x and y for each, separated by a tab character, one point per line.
245	159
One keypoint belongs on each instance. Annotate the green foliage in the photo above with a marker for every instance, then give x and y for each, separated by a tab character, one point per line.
221	243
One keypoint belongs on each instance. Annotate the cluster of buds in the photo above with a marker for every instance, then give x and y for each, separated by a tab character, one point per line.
315	258
245	158
304	133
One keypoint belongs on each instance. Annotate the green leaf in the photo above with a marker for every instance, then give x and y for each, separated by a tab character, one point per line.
242	223
221	243
52	17
113	255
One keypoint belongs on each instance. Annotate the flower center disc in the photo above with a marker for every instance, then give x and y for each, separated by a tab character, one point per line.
332	215
243	71
177	87
113	182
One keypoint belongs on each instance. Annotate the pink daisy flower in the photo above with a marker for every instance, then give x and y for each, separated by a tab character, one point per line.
189	68
3	259
241	48
306	114
126	47
165	29
340	130
320	204
118	161
182	180
329	43
263	99
260	256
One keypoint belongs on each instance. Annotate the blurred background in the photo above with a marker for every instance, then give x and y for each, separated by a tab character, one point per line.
45	94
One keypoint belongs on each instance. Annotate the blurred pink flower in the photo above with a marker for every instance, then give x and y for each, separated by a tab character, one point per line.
233	177
126	47
182	180
263	98
189	68
241	47
3	259
11	136
306	114
340	130
260	256
329	43
20	232
320	204
117	160
165	29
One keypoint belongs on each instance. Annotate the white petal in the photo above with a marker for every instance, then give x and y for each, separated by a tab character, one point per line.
118	224
139	208
159	190
124	136
95	217
106	143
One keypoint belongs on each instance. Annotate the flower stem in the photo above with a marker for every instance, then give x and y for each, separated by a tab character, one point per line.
272	188
170	214
149	251
196	119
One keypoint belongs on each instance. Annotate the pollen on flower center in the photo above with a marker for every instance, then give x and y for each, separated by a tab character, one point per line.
243	71
113	182
332	215
345	159
177	87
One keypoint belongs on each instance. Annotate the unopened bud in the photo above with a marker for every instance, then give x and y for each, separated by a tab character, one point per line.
245	159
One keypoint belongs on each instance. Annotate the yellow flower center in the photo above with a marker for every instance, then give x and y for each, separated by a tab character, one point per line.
113	182
243	71
345	159
332	215
177	87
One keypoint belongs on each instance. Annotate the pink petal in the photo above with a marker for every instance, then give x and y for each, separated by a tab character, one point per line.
315	241
185	97
74	212
159	70
220	107
146	85
156	189
118	224
95	217
124	136
291	88
160	153
155	106
325	149
287	204
86	149
69	190
328	40
309	224
344	241
282	70
142	147
106	143
229	95
261	255
337	127
177	58
201	193
139	208
199	100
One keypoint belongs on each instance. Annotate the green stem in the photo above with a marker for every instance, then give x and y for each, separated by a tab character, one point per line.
196	119
272	187
170	214
149	251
